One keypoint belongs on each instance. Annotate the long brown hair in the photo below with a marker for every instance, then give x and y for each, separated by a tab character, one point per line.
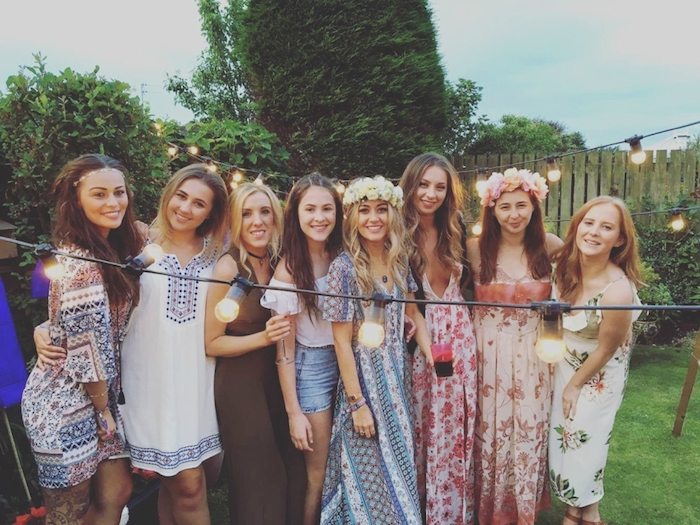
535	243
295	248
447	217
216	225
567	257
73	227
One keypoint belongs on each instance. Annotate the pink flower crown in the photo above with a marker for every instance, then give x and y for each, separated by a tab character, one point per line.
511	180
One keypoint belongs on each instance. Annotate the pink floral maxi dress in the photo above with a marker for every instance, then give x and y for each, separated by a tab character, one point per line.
445	413
513	403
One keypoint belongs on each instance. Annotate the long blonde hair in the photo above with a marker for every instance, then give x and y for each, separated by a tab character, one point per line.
449	247
236	202
394	244
567	257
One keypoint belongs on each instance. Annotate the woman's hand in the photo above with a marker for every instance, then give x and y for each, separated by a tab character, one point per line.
428	354
300	432
409	327
47	354
569	399
363	421
105	434
277	328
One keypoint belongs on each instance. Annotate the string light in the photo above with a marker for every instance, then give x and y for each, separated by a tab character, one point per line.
259	180
212	167
637	154
193	150
340	188
53	269
677	222
371	333
234	185
481	182
476	228
172	150
237	176
553	171
151	254
550	346
228	308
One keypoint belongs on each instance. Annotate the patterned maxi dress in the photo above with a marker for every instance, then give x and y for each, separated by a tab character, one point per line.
445	413
57	411
169	415
371	480
578	446
513	403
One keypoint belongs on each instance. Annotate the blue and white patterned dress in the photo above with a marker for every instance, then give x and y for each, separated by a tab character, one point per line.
371	480
57	411
169	414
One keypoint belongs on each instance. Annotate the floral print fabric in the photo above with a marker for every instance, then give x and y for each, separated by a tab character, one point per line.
513	404
445	413
57	411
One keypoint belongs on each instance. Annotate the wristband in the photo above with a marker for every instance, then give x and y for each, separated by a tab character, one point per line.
103	421
357	405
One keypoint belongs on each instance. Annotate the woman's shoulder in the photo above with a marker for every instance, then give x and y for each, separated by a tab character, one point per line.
620	290
552	242
226	267
282	273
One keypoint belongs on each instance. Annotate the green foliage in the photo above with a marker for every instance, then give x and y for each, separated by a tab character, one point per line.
513	134
218	87
463	98
351	87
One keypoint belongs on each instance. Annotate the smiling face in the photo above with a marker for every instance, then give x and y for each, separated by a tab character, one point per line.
431	191
513	211
373	220
104	200
189	206
257	223
599	230
317	213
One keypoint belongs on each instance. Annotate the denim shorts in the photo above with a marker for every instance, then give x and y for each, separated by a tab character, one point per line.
317	377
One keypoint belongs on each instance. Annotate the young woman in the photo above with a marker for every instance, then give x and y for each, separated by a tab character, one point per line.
511	265
445	406
370	476
312	238
70	408
266	473
597	265
168	381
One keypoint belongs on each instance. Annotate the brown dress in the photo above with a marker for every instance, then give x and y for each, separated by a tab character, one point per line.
266	473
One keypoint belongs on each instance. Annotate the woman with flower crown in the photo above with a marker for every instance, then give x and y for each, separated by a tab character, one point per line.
371	472
510	261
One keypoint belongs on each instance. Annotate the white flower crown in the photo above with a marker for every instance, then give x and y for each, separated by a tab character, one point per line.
371	189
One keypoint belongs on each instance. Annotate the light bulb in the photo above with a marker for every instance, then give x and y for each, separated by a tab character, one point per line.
259	180
550	346
550	350
212	167
371	335
154	251
53	269
677	222
553	171
193	150
237	176
340	188
172	151
151	254
477	229
480	187
638	155
226	310
234	185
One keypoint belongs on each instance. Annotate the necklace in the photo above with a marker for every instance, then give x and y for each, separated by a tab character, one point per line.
385	279
260	259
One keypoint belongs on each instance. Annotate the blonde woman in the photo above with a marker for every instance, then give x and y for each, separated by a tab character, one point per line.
371	476
266	473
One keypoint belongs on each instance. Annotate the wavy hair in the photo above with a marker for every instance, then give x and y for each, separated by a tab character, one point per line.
568	274
236	203
535	243
295	247
73	227
394	244
449	248
216	225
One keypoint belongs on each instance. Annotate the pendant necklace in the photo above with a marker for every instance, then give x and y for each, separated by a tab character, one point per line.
260	259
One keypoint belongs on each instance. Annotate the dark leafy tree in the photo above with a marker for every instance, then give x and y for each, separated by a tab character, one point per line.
463	125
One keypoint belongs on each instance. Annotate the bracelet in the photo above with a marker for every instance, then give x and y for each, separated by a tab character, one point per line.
103	420
357	405
43	325
99	395
355	398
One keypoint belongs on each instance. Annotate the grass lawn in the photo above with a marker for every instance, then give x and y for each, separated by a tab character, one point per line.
652	477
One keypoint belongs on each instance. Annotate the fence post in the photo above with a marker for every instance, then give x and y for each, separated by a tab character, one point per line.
687	387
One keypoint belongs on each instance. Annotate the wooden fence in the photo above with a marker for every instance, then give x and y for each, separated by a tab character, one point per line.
587	175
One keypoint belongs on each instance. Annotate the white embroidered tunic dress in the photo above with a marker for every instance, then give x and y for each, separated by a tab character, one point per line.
168	380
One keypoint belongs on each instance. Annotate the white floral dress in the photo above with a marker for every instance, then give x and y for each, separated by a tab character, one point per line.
578	446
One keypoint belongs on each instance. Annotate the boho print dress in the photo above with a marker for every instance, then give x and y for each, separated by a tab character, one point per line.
578	446
513	403
445	413
169	415
371	480
57	411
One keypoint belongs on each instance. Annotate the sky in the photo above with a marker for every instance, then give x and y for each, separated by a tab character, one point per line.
606	68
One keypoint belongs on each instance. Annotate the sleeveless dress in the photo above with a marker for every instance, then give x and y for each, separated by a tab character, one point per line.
445	412
168	379
58	413
513	403
371	480
578	446
266	473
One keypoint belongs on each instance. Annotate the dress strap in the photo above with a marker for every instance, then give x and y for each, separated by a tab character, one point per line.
600	294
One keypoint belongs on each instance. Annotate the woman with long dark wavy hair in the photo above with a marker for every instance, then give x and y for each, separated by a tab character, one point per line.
510	261
70	408
312	238
445	406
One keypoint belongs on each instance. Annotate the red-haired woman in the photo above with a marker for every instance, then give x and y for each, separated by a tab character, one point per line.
597	265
